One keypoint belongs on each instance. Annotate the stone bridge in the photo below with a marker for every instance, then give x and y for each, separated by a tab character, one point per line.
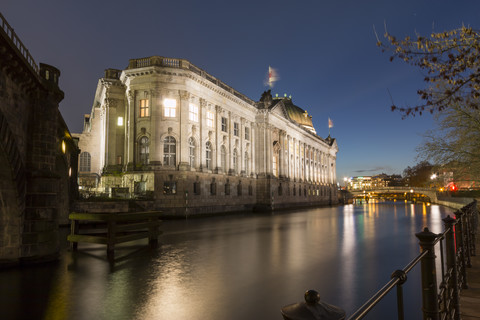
432	194
38	157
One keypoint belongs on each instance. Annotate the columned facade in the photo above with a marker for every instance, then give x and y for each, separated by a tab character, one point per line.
169	132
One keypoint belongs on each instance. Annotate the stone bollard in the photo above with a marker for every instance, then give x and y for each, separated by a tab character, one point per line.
312	309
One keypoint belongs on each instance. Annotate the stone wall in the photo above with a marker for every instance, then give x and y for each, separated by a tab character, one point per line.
32	137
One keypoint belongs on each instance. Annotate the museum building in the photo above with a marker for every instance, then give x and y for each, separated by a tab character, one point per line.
169	133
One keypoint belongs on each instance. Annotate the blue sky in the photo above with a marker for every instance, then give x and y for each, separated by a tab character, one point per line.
324	51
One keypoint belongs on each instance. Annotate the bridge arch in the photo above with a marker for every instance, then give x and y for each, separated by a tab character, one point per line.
12	194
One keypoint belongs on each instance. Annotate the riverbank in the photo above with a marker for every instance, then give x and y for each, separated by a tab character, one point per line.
470	298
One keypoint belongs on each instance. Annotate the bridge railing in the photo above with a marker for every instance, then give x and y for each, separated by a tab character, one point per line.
10	34
455	246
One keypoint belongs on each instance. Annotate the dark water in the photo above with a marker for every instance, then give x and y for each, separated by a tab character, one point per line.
234	267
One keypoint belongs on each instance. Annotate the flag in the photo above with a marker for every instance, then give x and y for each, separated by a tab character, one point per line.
272	76
330	123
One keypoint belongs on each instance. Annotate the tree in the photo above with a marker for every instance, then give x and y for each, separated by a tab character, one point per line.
451	61
455	144
419	175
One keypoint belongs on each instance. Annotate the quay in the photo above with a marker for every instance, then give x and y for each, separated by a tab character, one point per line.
470	298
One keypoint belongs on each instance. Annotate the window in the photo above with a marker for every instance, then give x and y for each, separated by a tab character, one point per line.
85	162
120	121
235	161
169	151
275	165
208	155
239	188
210	117
213	187
144	108
196	187
170	106
169	187
191	146
223	158
227	188
224	124
143	150
236	129
247	133
193	115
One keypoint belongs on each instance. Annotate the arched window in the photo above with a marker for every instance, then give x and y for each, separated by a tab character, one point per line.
169	151
143	150
223	159
191	145
235	161
208	155
246	163
85	162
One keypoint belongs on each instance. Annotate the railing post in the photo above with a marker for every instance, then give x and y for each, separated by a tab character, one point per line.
474	218
429	275
467	234
461	247
450	223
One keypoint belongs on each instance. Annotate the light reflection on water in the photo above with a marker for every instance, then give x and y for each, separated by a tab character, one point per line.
235	267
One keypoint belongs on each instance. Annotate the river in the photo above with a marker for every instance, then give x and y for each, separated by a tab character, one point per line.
244	266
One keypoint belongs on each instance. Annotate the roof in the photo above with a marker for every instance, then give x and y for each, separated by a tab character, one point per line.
297	114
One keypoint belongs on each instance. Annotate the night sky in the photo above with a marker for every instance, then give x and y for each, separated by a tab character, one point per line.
325	53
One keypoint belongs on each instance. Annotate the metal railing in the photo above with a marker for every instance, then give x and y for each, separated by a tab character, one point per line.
8	31
455	246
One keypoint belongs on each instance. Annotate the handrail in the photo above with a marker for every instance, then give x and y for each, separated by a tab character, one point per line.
8	31
396	278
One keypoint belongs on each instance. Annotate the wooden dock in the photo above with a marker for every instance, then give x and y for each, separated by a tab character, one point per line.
113	228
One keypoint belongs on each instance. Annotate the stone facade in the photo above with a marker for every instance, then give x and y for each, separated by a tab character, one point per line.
38	156
168	131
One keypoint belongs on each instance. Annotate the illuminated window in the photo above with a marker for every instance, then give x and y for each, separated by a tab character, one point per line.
169	151
144	150
236	129
224	124
193	112
64	147
208	155
191	145
120	121
144	108
210	118
170	106
275	165
247	133
85	162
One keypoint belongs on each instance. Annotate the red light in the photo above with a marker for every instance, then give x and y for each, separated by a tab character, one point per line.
453	187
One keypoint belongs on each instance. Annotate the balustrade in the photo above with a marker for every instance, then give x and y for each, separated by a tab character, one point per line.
8	31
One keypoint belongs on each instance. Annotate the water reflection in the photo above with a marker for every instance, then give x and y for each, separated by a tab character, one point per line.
236	267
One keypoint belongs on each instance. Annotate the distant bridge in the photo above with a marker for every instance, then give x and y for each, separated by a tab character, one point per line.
410	192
